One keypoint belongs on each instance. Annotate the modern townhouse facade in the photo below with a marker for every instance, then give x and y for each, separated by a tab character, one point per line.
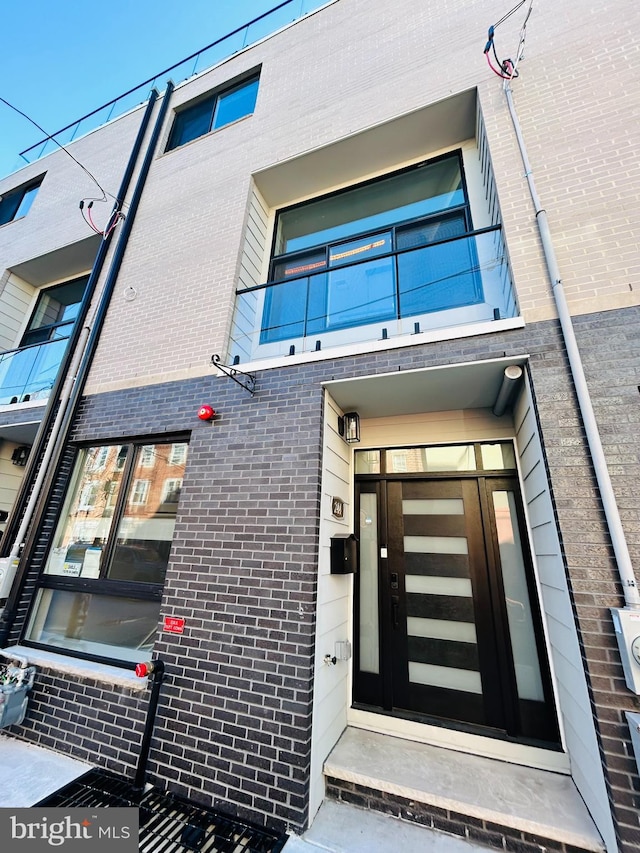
355	450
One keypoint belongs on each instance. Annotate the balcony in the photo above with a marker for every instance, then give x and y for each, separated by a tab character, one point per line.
362	292
29	373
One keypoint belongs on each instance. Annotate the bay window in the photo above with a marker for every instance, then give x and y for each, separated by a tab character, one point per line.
99	594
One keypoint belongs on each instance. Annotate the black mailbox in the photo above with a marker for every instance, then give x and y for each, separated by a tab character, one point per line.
344	554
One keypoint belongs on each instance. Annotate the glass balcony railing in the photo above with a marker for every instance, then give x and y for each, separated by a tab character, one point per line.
29	373
440	285
244	36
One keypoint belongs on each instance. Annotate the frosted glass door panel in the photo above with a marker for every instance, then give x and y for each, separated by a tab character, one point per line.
435	545
440	620
521	628
368	600
453	506
445	676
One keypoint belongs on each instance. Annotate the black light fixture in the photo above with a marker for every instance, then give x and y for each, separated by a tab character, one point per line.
20	455
349	427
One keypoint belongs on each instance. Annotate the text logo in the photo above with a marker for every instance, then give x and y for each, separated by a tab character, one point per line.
35	830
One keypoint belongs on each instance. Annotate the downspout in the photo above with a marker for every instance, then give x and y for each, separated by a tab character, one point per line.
23	506
154	669
68	414
594	442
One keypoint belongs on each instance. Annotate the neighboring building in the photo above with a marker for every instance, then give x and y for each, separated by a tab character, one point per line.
340	215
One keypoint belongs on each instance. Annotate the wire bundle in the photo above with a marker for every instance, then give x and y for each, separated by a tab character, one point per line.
506	69
116	217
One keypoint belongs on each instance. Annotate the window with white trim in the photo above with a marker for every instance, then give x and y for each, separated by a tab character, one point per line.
178	454
171	490
139	492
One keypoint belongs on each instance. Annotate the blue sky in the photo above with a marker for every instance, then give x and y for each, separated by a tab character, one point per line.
61	59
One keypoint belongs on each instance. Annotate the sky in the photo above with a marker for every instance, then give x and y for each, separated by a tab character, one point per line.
60	59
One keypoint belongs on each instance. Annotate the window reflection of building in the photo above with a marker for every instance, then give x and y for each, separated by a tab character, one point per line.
114	538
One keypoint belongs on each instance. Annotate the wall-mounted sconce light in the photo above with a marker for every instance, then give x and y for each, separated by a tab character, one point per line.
349	427
20	455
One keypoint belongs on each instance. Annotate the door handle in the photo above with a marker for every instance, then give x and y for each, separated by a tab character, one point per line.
395	606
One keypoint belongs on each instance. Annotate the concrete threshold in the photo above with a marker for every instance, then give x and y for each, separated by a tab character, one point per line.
536	802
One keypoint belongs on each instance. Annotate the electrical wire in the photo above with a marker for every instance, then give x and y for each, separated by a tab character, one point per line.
116	215
509	14
53	139
507	69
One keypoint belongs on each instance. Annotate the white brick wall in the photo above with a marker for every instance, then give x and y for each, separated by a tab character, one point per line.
352	66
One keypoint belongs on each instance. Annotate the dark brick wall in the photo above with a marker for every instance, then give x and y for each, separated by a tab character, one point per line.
610	346
491	835
234	718
17	416
87	719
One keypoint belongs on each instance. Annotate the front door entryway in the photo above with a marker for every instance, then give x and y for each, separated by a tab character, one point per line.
448	626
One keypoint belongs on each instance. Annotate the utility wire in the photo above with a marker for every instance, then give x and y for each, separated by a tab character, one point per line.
53	139
507	69
509	14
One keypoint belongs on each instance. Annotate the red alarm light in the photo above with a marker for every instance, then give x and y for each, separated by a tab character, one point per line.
206	413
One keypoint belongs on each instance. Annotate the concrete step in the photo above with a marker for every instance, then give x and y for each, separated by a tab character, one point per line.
480	799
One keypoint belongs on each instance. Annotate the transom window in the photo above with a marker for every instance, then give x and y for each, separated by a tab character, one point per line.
405	196
215	111
99	594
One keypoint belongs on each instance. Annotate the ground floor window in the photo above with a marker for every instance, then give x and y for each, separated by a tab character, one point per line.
99	594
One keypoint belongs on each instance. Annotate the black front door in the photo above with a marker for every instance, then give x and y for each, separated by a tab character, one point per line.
446	608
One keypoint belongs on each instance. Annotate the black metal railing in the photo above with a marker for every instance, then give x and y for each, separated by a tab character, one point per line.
461	280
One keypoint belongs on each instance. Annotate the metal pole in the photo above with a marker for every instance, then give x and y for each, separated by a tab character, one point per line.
594	442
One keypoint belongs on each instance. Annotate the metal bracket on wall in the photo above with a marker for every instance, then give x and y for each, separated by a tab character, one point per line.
248	381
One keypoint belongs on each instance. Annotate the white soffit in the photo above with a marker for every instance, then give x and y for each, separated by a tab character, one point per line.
377	149
24	433
473	385
66	262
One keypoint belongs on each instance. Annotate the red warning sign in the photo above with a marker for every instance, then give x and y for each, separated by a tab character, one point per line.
173	625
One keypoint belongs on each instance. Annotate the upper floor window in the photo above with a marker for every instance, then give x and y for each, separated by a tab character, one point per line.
16	203
388	258
55	312
178	454
215	111
352	258
29	372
